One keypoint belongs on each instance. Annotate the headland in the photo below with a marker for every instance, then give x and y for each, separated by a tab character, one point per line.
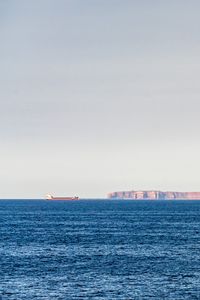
154	195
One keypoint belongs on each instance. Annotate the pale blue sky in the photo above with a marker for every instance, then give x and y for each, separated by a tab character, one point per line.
99	95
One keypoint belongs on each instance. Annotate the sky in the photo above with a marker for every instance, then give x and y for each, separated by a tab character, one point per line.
99	96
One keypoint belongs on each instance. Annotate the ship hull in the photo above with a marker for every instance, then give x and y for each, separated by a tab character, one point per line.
63	198
50	197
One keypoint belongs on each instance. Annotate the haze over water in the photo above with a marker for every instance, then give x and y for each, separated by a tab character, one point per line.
137	250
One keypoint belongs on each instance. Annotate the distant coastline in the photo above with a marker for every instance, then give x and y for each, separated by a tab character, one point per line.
154	195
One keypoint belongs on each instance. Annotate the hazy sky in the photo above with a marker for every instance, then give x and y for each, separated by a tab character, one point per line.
98	96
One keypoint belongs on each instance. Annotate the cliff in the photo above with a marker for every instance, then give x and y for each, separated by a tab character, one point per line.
153	195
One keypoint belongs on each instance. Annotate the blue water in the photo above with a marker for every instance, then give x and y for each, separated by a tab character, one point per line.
100	250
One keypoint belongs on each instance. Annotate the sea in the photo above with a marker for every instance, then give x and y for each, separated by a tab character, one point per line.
99	249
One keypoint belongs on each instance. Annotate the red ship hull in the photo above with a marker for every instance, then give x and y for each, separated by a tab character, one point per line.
49	197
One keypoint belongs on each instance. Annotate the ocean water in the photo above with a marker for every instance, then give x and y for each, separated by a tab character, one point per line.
99	250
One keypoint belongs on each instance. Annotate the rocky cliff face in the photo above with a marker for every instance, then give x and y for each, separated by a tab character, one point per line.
153	195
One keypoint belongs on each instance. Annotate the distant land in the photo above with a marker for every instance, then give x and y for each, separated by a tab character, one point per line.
154	195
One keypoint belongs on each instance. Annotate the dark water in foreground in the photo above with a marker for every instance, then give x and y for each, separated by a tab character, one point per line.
100	250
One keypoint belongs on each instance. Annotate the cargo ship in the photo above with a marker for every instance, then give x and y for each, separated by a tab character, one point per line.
50	197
